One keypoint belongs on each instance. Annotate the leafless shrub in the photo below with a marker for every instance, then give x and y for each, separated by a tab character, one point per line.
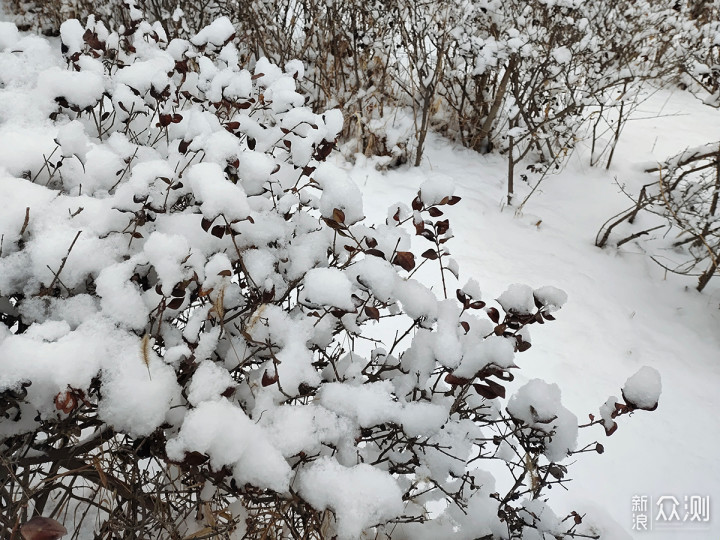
685	195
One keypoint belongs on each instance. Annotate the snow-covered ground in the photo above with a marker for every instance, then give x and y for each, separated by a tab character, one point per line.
623	310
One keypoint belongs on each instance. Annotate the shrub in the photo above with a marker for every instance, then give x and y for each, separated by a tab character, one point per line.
202	336
685	197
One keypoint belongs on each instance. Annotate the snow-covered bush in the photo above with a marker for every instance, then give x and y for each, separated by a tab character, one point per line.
515	76
684	200
203	337
699	43
177	17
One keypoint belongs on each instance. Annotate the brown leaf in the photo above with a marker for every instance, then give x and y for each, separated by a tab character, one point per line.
465	325
417	203
175	303
178	291
206	223
338	215
195	459
268	379
456	381
430	254
435	212
65	402
229	391
332	224
92	39
372	312
164	120
442	226
494	315
375	253
490	390
404	259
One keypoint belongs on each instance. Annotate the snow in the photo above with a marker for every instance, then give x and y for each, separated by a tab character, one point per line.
372	404
643	389
208	383
247	448
550	297
328	286
9	34
82	88
537	404
562	55
374	497
71	35
216	33
218	196
518	298
436	188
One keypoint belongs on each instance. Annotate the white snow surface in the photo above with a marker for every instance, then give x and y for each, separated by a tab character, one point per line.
361	495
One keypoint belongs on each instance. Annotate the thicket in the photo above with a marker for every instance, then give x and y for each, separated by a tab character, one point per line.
528	79
202	337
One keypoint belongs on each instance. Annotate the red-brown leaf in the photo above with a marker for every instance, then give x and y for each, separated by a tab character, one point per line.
268	379
456	381
372	312
405	260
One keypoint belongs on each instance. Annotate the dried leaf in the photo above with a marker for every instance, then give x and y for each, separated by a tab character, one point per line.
456	381
404	259
175	303
375	253
372	312
490	390
206	223
268	379
338	215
